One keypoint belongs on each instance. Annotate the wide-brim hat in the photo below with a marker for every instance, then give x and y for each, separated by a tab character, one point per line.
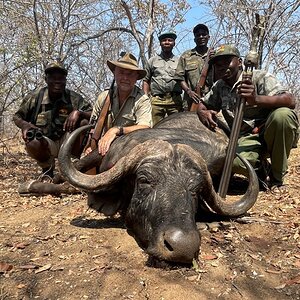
225	50
57	66
128	62
167	34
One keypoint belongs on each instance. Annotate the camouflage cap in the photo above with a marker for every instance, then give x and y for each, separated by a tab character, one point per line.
56	66
167	34
225	50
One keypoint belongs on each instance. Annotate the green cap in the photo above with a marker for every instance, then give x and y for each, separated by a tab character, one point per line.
225	50
56	66
167	34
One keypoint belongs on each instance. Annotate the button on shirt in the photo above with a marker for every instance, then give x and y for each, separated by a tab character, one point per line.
160	75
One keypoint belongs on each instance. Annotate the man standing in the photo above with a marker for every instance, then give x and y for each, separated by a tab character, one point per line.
269	123
190	65
165	91
48	114
130	108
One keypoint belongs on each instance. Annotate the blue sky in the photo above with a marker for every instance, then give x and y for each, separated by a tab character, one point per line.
197	14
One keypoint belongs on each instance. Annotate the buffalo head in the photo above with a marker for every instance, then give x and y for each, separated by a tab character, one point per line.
158	186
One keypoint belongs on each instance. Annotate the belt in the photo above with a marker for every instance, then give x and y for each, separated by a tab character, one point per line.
168	94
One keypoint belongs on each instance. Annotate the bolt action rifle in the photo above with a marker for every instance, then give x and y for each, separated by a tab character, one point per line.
250	62
201	83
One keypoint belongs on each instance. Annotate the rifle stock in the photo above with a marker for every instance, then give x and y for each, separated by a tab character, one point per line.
201	82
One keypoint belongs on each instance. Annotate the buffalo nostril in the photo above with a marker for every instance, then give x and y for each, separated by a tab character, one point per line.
168	246
182	246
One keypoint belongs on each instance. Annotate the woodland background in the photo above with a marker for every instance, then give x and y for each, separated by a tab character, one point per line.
86	33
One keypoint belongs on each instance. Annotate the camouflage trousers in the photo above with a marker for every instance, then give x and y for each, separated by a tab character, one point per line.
279	136
166	105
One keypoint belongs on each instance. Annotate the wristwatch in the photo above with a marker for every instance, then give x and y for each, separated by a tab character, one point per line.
121	131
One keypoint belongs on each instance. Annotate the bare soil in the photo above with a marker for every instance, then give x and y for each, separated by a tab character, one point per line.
55	248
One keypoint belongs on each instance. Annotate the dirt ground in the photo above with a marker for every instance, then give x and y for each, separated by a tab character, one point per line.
55	248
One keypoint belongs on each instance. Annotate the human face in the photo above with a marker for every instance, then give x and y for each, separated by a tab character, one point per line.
56	82
125	79
201	37
167	44
227	68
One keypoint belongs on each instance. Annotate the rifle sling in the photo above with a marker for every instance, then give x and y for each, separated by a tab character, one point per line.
38	102
100	123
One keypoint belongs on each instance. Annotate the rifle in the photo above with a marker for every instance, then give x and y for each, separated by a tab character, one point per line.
101	122
97	125
250	62
201	82
204	71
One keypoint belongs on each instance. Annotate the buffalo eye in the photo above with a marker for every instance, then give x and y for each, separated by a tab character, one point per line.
143	180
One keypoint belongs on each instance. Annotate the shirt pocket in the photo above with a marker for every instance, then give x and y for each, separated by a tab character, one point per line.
43	121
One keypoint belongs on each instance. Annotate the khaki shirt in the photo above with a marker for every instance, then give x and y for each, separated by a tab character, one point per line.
136	110
160	73
189	69
51	116
223	97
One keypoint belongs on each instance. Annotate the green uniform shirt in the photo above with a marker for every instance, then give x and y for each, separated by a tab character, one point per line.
160	73
189	69
223	97
135	111
51	116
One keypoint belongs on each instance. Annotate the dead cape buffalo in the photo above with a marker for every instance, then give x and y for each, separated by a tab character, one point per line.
158	178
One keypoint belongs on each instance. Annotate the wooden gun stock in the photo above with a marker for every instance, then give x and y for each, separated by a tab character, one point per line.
98	130
201	82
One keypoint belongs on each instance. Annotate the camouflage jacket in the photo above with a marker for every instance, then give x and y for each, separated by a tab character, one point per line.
51	116
189	69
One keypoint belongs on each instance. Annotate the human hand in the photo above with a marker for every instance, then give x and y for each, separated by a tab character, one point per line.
246	90
107	139
207	118
25	129
193	95
71	121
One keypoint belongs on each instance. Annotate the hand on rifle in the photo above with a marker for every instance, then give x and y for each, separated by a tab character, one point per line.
193	95
246	90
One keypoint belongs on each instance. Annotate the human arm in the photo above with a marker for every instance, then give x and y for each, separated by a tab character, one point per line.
23	125
74	117
113	133
143	119
267	93
81	110
192	94
207	116
23	117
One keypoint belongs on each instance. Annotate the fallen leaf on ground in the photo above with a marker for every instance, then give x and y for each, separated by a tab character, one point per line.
4	267
295	280
209	257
